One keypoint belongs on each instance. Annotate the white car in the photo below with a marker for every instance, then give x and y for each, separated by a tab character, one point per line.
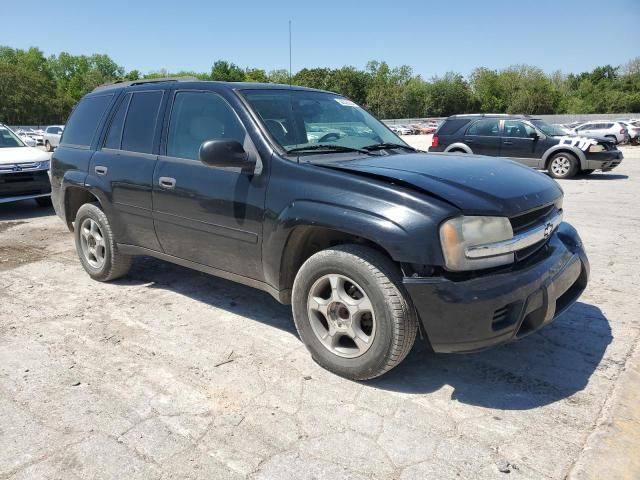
401	130
24	170
604	129
52	136
633	129
26	138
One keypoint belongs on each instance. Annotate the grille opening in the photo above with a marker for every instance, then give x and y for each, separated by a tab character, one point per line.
527	220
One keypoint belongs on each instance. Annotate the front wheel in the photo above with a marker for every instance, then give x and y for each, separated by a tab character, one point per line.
47	146
563	165
352	312
96	246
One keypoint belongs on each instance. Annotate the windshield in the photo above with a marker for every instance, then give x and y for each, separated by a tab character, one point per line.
8	139
551	130
298	118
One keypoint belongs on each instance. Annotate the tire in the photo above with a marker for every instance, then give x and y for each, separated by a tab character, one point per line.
106	262
47	146
43	201
384	316
587	172
563	165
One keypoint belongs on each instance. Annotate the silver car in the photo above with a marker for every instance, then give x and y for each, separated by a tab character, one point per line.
602	128
51	136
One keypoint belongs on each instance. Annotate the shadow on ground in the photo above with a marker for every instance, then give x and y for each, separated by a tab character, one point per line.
542	368
602	176
23	210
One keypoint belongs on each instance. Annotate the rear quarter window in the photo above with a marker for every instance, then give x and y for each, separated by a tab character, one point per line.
84	120
450	127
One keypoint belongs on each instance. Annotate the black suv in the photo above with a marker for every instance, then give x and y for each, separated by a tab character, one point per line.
304	194
530	141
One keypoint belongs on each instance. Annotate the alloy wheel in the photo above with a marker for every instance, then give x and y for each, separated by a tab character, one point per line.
92	241
341	315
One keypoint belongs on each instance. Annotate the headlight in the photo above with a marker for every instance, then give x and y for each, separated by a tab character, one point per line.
596	148
45	165
460	233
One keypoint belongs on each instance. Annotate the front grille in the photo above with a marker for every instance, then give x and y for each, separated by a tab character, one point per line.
530	219
24	183
502	318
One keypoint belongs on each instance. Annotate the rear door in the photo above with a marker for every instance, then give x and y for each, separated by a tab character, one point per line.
518	142
125	163
208	215
483	137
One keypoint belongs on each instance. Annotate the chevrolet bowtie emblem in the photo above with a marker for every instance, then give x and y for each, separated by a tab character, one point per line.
16	168
548	229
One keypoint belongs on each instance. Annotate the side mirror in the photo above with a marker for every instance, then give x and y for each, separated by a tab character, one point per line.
225	153
534	135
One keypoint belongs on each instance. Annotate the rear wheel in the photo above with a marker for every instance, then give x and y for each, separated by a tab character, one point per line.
96	246
563	165
352	312
47	146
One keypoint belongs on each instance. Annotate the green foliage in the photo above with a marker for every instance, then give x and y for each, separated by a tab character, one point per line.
35	89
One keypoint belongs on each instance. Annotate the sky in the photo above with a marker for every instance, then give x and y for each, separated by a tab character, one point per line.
431	37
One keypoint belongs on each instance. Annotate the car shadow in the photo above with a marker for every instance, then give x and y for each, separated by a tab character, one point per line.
544	367
214	291
540	369
23	210
602	176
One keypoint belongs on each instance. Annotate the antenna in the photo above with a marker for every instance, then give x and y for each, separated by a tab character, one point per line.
289	52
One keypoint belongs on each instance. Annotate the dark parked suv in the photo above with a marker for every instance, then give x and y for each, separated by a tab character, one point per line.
305	195
530	141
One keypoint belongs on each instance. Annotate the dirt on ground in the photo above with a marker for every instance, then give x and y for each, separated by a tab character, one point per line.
170	373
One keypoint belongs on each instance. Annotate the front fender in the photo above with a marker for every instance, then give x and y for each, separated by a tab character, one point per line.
407	235
565	148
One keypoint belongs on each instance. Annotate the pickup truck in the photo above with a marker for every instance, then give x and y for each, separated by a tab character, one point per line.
367	238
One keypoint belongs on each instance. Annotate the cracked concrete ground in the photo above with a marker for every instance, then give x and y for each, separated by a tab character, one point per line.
170	373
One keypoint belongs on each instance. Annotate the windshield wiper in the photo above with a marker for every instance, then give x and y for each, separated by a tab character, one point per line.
328	148
384	145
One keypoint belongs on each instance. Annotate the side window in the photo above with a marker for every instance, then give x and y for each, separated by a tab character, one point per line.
140	124
197	117
83	123
486	128
586	126
517	129
114	137
607	126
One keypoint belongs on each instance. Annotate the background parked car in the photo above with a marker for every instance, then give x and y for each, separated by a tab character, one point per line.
52	136
400	129
633	130
26	138
606	129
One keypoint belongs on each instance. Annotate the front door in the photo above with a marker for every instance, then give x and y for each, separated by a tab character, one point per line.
483	137
519	142
208	215
125	163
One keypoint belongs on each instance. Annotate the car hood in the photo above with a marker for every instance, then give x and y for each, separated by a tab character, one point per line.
22	154
475	184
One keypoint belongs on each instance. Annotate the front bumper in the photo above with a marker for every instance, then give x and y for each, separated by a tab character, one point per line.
481	312
23	185
604	161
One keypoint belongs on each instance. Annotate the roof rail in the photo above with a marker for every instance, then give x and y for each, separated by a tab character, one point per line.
122	83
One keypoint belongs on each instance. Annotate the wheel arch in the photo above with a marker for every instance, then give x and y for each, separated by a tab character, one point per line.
576	152
459	146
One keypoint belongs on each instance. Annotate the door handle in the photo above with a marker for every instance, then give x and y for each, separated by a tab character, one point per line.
507	143
167	182
100	170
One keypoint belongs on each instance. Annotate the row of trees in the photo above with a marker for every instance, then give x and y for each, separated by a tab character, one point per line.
35	89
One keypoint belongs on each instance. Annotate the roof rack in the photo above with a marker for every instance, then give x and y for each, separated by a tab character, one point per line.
122	83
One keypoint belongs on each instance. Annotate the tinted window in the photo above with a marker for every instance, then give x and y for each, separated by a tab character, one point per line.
114	137
517	129
54	130
84	120
452	126
140	125
487	128
197	117
607	125
585	127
